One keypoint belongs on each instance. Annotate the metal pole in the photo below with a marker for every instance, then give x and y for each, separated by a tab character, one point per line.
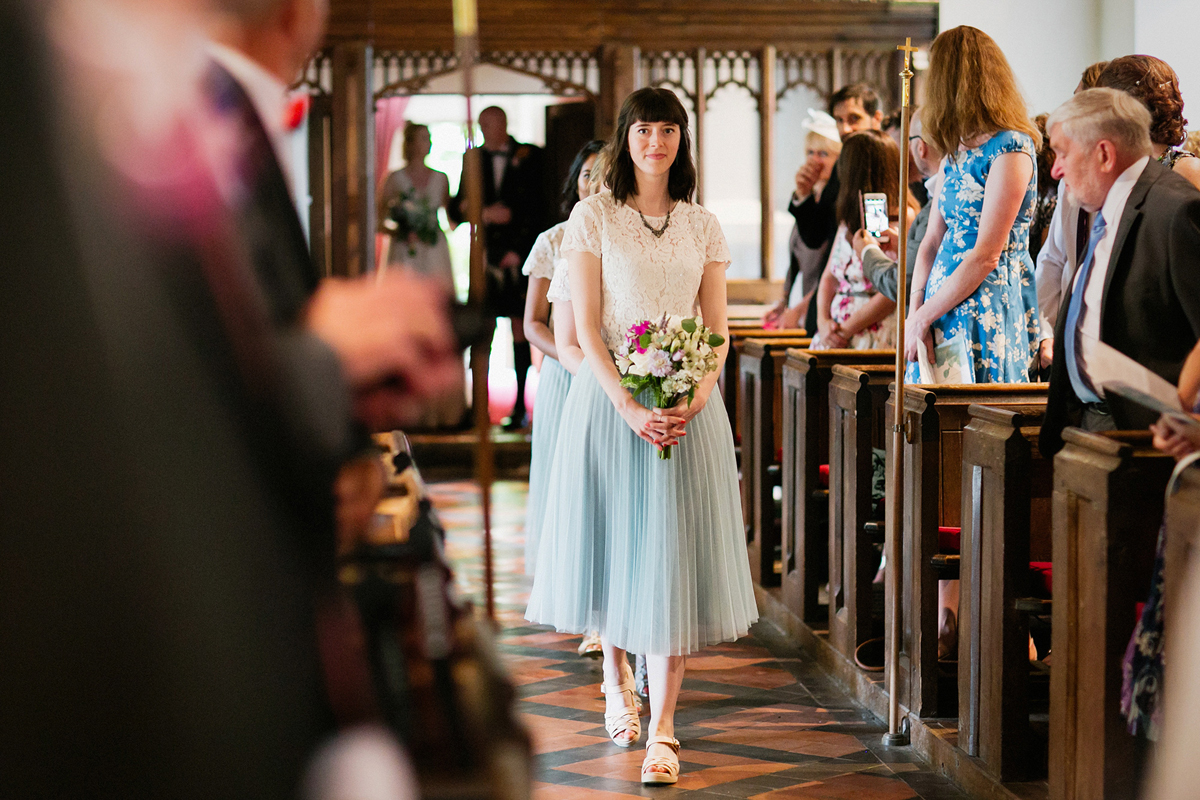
897	735
466	36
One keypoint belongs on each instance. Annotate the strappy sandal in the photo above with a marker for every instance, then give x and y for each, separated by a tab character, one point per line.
671	764
627	720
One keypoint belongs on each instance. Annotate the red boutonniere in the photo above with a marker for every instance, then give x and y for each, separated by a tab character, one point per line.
521	154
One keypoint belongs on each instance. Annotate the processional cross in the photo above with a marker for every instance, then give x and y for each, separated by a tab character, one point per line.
897	734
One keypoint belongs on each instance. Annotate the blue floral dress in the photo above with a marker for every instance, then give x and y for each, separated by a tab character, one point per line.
1000	320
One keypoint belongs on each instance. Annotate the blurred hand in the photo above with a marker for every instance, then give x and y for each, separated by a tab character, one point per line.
511	260
831	336
1175	438
1046	353
771	318
807	177
497	214
888	241
389	333
790	318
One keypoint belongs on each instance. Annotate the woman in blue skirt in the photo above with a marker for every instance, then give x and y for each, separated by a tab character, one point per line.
649	552
554	381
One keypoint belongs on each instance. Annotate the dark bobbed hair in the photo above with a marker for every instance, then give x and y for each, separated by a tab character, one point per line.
856	91
570	189
1152	81
650	105
870	162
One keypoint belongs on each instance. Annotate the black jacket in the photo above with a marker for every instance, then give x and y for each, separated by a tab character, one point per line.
1150	309
816	220
522	189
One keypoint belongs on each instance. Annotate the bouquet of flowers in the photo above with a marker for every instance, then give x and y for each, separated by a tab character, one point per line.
669	357
412	219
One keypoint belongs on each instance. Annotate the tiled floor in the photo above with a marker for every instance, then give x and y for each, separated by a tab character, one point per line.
757	718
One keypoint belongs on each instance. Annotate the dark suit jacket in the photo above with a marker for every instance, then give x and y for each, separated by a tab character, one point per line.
522	189
1150	309
157	633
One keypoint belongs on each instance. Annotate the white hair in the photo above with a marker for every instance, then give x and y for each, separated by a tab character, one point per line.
1105	114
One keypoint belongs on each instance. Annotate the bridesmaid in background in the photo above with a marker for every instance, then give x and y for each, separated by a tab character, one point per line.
542	266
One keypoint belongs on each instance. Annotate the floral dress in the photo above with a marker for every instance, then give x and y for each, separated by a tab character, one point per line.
999	321
853	291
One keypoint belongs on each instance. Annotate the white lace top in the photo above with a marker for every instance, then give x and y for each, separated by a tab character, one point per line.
644	277
560	284
545	256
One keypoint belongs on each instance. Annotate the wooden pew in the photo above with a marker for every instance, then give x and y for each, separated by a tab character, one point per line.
934	420
1107	510
857	396
760	368
806	376
740	331
1006	488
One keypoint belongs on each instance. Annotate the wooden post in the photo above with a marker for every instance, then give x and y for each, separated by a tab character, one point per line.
766	118
1107	508
352	195
618	78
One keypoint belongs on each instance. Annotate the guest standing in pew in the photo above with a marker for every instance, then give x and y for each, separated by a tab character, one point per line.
854	108
879	269
973	277
850	313
1138	285
822	145
545	259
651	552
1066	240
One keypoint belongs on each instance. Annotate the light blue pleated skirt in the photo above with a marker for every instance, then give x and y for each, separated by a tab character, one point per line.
651	553
553	384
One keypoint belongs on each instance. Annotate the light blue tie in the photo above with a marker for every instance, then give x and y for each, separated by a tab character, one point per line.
1083	389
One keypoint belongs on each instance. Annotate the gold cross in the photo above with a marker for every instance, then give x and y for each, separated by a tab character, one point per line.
908	49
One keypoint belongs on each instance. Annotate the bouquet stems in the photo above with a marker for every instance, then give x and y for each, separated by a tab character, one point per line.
664	453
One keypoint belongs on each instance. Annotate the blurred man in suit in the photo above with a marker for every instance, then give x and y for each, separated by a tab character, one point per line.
515	211
1137	287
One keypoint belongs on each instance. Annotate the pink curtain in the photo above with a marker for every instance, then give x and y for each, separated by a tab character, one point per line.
389	118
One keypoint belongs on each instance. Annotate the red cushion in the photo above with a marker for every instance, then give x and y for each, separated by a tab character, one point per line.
949	539
823	475
1041	576
779	455
737	439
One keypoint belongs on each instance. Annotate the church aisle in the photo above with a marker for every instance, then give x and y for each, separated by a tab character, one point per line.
757	718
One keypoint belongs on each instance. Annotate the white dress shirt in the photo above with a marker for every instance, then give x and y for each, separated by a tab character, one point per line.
1113	208
267	93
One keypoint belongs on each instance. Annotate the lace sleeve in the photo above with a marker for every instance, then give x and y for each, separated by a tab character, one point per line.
540	263
715	249
583	230
560	286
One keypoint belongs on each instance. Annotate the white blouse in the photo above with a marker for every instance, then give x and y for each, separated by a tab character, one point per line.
644	277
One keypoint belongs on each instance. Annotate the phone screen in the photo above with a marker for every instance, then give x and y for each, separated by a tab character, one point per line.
875	213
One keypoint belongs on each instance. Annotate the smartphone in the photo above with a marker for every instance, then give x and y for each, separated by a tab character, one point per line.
875	213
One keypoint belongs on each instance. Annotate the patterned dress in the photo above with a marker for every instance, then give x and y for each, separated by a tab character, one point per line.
853	292
1000	319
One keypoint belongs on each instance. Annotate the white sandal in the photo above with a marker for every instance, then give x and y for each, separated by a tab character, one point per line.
671	764
627	720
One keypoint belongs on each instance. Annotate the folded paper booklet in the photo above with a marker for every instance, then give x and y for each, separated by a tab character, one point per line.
1136	396
952	362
